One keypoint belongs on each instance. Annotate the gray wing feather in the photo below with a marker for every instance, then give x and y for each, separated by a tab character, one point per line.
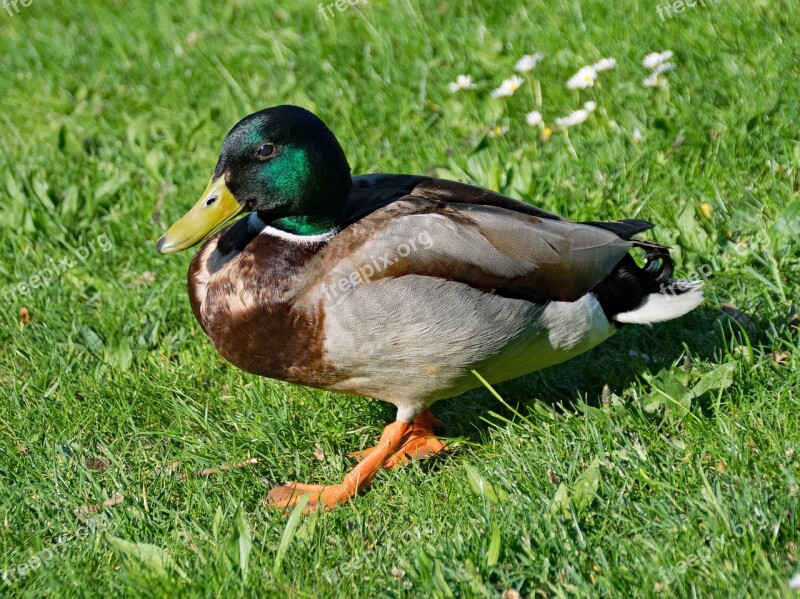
486	247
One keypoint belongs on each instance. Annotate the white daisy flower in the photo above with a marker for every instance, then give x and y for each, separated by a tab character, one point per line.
461	82
652	60
534	119
589	106
508	87
574	118
605	64
664	67
528	62
497	131
794	583
655	81
636	135
584	78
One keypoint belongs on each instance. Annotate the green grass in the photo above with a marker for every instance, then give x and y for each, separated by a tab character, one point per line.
111	117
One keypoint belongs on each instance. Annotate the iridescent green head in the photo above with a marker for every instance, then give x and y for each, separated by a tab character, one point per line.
282	162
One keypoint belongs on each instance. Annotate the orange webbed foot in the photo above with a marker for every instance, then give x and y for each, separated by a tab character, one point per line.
393	439
289	494
421	443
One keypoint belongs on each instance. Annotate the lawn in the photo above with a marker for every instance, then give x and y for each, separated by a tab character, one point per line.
663	463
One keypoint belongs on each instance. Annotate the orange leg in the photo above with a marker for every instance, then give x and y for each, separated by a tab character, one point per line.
394	437
421	443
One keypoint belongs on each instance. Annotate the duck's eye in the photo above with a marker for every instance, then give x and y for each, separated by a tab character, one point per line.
265	151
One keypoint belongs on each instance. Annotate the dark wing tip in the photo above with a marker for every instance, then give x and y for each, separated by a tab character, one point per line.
626	228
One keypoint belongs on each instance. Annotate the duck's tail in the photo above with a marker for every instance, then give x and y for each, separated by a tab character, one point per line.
681	297
645	294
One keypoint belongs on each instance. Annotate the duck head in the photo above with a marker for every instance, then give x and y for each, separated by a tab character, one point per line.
282	162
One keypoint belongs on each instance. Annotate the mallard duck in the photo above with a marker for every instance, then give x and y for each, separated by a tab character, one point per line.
397	287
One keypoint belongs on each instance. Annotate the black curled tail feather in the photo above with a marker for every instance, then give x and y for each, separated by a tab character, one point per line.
658	264
627	286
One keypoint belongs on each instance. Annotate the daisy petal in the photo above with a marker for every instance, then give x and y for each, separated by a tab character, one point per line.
508	87
461	82
585	77
604	64
528	62
534	118
652	60
574	118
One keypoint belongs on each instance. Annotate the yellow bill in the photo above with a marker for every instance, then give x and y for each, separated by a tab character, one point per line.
215	207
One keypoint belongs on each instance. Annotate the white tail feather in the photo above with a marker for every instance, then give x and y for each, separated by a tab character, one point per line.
658	307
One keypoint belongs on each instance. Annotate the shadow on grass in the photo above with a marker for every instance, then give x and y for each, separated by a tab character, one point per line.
618	363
